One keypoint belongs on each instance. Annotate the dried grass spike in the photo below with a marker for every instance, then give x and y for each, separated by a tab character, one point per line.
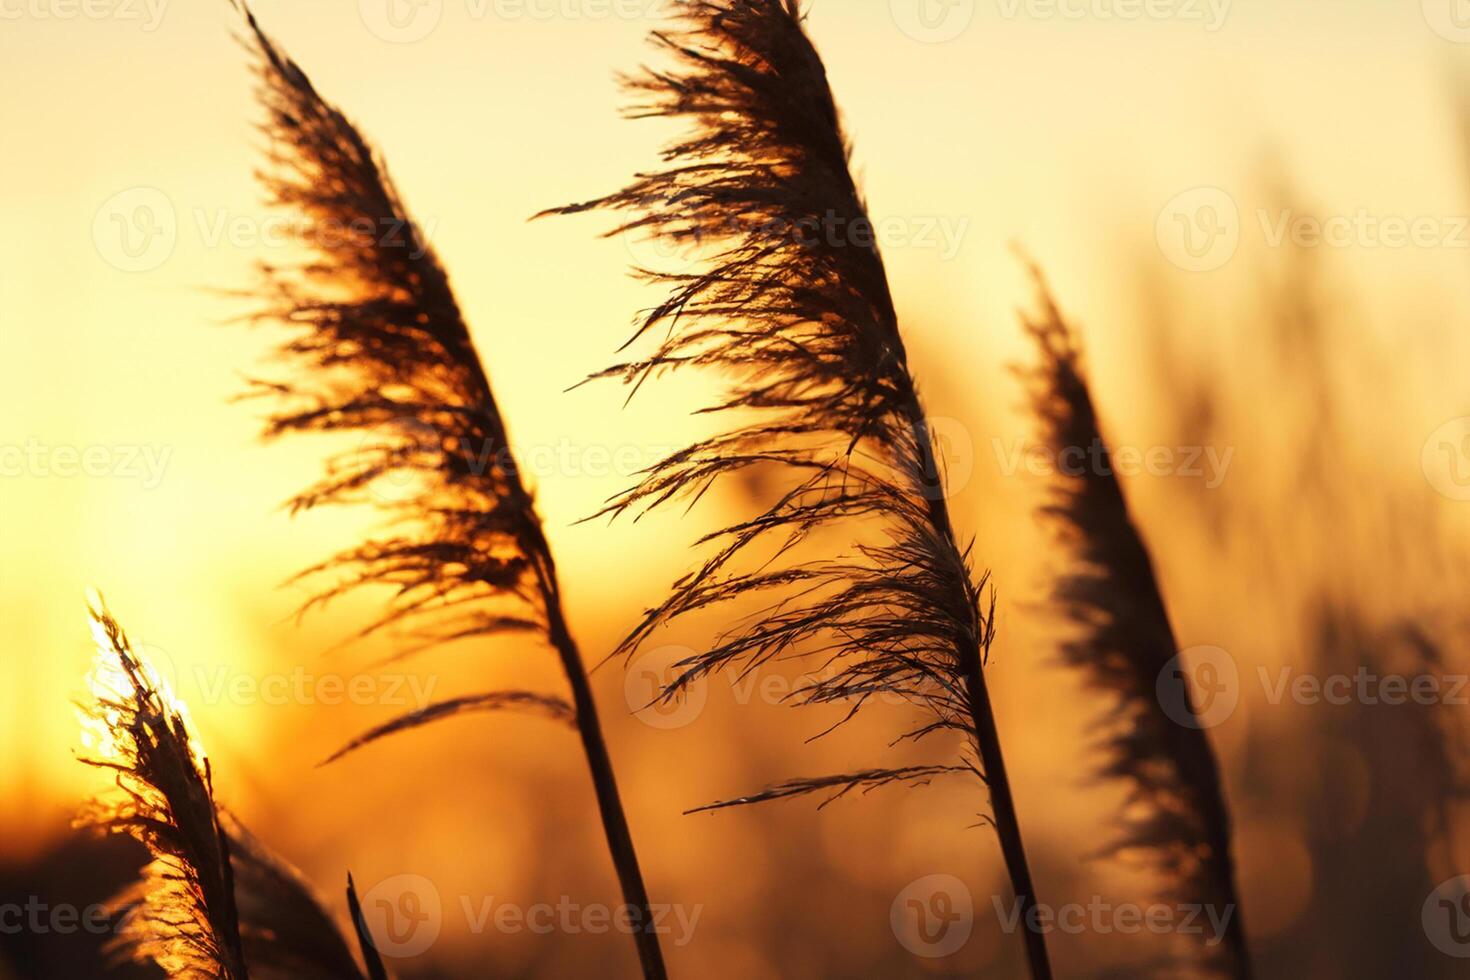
185	918
380	350
793	307
1177	822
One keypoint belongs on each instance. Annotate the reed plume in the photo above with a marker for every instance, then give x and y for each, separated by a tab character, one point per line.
382	351
793	306
1385	779
185	919
1176	820
215	902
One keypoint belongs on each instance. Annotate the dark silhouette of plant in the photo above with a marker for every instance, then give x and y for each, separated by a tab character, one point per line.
381	350
186	920
1176	820
794	306
288	934
215	902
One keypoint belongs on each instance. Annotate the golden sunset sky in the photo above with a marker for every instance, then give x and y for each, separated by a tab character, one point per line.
1090	138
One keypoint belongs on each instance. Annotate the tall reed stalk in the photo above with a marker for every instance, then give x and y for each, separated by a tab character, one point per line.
793	304
383	352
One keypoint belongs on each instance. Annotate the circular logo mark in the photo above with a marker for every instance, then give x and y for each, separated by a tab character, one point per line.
1199	688
1446	459
136	230
933	21
954	458
401	21
398	451
162	670
662	254
649	676
403	915
158	672
933	917
1446	917
1199	230
1450	19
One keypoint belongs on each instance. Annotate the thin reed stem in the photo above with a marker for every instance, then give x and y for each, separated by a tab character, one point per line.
793	305
1007	823
992	760
609	801
383	350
